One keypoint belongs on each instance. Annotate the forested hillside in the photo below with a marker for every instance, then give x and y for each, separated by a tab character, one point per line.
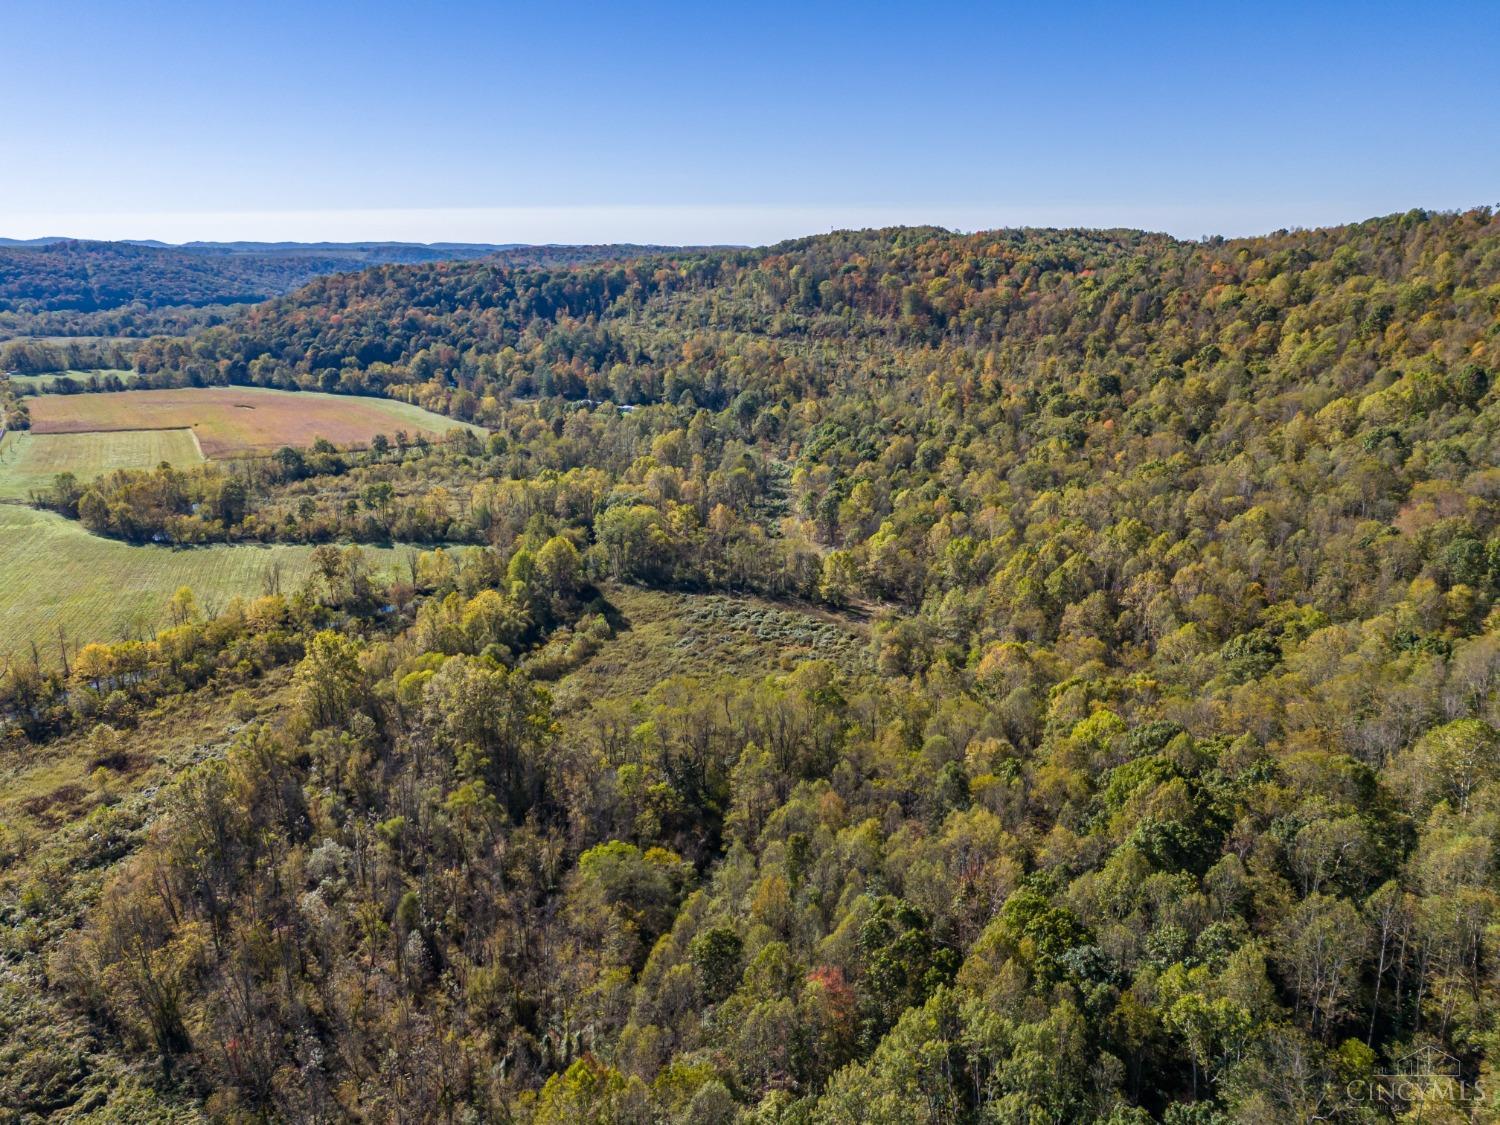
1167	785
90	276
68	287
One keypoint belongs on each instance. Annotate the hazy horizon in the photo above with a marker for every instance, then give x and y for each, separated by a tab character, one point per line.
671	226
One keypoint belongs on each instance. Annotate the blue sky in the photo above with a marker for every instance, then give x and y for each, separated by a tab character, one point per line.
735	122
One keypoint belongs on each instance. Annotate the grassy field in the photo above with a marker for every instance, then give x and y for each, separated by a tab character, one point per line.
54	574
29	461
42	382
234	420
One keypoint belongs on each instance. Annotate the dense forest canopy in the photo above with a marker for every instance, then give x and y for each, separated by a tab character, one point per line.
61	287
90	276
1169	788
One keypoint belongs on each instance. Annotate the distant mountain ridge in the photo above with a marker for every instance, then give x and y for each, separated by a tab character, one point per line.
252	247
369	253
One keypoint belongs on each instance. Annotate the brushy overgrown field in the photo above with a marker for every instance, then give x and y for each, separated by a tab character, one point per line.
30	461
55	576
69	814
662	636
234	420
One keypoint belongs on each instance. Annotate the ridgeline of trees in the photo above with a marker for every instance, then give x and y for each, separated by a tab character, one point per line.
95	276
83	288
1172	791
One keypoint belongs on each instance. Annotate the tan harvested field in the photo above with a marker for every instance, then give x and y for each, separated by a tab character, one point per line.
29	461
237	420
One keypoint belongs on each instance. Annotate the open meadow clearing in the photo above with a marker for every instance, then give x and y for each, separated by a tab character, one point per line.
663	635
29	461
236	420
54	574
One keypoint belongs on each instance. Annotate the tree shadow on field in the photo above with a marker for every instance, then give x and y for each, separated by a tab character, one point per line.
613	616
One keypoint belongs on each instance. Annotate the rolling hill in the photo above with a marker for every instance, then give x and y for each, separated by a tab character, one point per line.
901	675
68	287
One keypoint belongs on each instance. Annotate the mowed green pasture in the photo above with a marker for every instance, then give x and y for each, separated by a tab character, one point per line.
55	575
29	461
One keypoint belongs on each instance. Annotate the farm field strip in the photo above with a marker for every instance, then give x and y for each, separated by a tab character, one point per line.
56	576
29	461
235	420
